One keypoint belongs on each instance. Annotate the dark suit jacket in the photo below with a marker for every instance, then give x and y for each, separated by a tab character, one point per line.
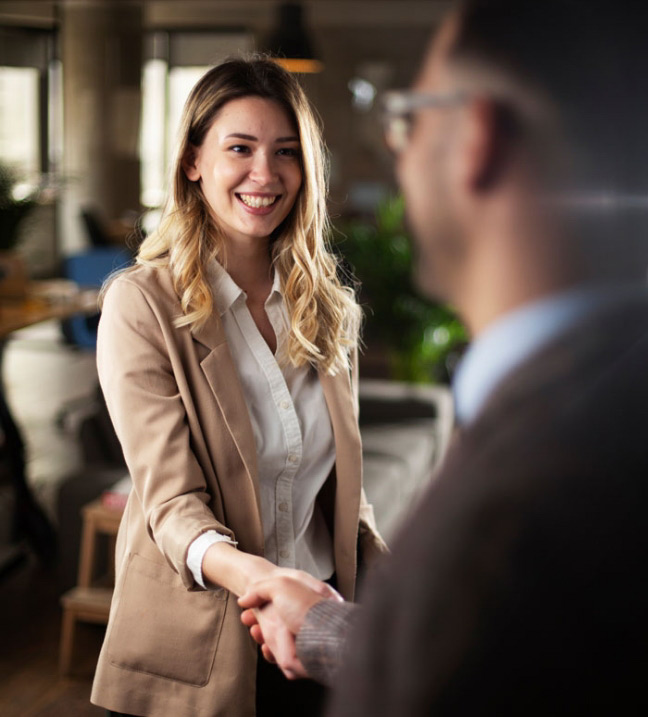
520	586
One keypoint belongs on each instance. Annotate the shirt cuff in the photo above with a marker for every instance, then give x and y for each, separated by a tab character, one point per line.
197	551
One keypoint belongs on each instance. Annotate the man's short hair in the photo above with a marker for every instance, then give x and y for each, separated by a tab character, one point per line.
588	61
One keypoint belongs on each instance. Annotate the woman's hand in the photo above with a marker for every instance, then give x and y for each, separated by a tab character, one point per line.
233	569
278	600
237	571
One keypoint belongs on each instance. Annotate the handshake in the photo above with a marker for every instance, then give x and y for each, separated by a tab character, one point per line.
275	609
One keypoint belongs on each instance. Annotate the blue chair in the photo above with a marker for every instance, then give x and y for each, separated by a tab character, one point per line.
89	269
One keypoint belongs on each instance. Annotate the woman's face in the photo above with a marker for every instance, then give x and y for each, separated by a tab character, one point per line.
249	168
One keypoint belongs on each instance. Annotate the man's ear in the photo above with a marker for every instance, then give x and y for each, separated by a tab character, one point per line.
486	144
189	164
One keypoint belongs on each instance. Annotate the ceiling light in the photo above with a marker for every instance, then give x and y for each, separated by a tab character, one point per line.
289	43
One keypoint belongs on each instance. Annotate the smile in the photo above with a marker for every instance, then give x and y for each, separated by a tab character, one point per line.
255	201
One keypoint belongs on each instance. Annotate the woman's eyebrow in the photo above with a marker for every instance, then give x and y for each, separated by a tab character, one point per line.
252	138
242	136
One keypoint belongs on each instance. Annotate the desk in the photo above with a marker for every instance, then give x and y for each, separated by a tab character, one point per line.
42	303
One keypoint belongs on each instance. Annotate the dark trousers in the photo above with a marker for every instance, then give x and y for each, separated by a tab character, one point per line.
278	697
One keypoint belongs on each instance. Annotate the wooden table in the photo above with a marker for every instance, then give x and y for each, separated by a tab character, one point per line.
45	300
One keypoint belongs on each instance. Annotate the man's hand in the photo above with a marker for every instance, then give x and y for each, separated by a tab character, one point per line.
275	609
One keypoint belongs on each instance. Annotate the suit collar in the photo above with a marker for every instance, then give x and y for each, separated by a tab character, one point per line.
517	337
603	338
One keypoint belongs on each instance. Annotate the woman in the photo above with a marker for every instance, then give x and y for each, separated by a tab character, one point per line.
225	356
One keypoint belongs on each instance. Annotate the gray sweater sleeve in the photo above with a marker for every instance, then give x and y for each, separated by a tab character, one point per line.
321	642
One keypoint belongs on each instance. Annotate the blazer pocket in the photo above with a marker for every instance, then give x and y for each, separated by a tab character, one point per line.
163	629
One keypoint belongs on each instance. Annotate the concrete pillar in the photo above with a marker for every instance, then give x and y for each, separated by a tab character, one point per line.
101	52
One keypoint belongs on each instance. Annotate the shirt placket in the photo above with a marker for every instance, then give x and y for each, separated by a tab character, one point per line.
284	529
284	524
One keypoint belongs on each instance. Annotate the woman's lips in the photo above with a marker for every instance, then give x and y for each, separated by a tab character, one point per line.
258	203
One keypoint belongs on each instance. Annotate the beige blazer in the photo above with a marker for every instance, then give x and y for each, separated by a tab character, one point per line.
177	405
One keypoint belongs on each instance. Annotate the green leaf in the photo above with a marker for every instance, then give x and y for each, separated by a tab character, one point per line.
418	333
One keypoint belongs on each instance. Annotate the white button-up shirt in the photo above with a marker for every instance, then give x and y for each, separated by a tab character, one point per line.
293	434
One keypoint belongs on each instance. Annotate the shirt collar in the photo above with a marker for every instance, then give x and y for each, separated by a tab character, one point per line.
276	287
512	339
226	291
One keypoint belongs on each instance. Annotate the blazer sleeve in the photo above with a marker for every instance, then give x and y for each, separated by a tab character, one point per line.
321	642
143	398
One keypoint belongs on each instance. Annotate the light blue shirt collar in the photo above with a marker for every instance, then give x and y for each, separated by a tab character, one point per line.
512	339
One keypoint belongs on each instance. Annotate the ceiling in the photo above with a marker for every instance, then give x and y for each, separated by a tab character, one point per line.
214	13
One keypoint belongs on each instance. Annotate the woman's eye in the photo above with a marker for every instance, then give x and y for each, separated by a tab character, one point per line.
289	152
240	148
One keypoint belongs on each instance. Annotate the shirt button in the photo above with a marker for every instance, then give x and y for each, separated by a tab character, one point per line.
293	458
284	554
283	507
285	405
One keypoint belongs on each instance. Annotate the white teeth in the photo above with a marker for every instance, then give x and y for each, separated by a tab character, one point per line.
253	201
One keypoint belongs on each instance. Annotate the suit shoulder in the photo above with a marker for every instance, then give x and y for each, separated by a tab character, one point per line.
140	297
153	284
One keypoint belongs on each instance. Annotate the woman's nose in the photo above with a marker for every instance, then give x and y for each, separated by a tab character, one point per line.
263	168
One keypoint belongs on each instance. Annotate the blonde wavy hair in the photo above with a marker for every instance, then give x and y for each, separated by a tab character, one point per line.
324	315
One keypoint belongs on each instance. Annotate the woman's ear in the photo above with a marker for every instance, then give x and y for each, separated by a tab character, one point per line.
190	164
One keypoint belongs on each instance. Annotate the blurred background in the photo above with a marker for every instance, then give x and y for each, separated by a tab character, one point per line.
90	98
91	93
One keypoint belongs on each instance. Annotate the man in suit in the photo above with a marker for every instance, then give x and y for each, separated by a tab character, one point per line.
518	585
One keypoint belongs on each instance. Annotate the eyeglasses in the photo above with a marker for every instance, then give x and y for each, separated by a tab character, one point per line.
399	107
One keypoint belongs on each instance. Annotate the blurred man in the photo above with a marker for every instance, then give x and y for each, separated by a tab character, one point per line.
519	584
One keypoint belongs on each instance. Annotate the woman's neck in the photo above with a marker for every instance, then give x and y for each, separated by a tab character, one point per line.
250	267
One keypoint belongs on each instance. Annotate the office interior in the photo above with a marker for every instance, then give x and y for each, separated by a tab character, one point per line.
91	93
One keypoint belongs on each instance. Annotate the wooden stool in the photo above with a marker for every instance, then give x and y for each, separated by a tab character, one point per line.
88	601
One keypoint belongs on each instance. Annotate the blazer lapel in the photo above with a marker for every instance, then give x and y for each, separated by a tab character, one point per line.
220	372
341	405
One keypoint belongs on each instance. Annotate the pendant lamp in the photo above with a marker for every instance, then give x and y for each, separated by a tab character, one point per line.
289	43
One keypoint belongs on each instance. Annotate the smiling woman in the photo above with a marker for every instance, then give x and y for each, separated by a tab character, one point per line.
249	168
227	358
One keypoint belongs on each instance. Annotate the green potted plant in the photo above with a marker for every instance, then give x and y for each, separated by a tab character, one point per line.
417	335
13	211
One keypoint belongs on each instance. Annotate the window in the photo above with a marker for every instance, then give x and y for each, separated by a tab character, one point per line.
176	62
20	119
26	71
